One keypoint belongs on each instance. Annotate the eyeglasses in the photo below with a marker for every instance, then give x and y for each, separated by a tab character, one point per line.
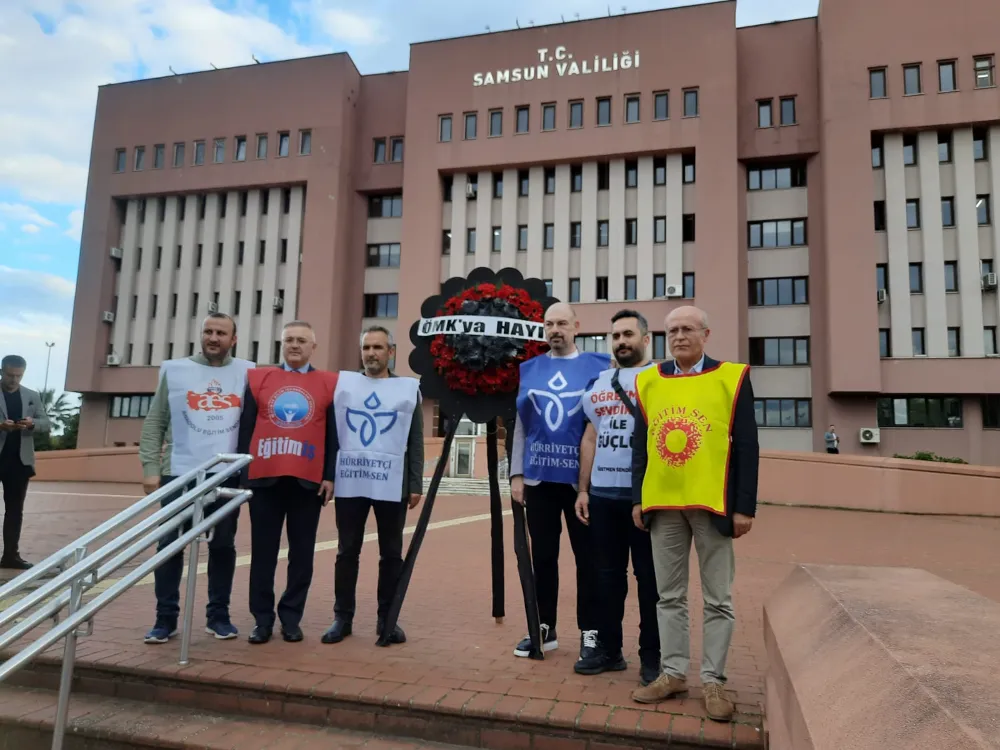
685	330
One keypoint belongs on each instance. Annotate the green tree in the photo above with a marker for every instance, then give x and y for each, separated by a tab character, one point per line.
59	409
71	428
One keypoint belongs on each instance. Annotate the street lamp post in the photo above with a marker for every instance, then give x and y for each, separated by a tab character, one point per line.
48	359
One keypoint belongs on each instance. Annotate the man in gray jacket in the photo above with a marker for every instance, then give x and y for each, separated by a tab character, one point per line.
22	416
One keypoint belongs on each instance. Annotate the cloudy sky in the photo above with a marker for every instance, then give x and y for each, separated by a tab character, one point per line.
55	53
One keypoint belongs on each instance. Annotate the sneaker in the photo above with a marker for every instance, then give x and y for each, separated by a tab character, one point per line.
598	659
549	642
161	632
648	672
717	706
223	630
663	687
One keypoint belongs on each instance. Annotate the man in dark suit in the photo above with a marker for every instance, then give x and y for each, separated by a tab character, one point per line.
694	477
22	416
288	427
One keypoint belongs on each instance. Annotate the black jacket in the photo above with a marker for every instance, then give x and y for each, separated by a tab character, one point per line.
248	420
744	459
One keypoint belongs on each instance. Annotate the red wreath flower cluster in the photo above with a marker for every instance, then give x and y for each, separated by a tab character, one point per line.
502	378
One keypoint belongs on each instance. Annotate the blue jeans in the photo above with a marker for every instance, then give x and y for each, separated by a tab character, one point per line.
221	564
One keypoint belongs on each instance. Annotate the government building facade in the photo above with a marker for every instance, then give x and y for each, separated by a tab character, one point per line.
824	188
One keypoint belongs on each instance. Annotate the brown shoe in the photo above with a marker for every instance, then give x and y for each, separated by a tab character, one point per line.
717	705
663	687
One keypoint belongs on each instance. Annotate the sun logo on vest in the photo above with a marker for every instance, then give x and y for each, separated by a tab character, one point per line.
556	405
213	399
291	407
677	439
370	424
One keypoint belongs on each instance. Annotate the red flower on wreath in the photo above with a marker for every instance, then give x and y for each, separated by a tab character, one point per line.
491	378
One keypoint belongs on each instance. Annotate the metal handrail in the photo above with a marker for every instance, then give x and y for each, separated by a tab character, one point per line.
81	572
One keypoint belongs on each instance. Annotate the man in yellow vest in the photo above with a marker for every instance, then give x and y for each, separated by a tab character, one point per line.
694	476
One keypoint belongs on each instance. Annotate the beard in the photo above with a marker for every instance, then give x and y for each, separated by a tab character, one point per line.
628	357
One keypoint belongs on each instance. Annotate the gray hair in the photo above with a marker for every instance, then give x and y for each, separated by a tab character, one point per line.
376	329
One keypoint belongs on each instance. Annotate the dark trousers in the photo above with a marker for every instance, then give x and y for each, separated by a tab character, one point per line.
15	489
546	504
834	451
615	536
221	563
352	515
271	508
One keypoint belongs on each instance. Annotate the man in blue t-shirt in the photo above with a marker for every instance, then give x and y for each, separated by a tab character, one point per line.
544	466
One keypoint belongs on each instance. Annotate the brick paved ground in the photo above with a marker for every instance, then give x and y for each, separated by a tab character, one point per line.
455	649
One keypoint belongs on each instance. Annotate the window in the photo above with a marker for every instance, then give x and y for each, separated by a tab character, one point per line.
991	411
986	266
944	147
522	120
550	180
687	228
576	178
470	241
950	276
446	242
877	144
240	148
946	77
604	111
879	216
788	111
631	174
158	151
979	151
913	213
159	256
548	286
911	80
990	340
919	411
140	158
602	288
284	251
603	175
602	233
385	206
381	305
283	139
496	123
876	83
659	229
632	108
574	290
130	407
576	114
383	256
497	239
153	305
660	285
178	155
548	236
470	126
985	72
444	128
498	184
783	412
916	278
690	102
592	343
688	164
631	231
659	346
306	139
789	290
884	343
447	182
548	117
983	210
119	160
917	339
764	119
909	150
948	212
661	105
660	170
954	342
219	150
199	153
687	280
379	151
396	150
882	277
783	352
630	288
262	146
523	183
286	200
575	234
522	237
777	177
784	233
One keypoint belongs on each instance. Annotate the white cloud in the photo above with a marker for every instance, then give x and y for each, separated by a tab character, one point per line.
30	228
75	220
21	212
349	27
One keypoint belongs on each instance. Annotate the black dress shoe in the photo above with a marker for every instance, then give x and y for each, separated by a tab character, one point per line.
337	632
260	635
14	562
397	635
292	634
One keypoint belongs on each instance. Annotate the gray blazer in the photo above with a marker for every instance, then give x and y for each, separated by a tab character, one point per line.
31	405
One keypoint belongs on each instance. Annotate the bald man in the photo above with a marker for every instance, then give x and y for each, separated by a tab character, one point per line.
545	466
694	477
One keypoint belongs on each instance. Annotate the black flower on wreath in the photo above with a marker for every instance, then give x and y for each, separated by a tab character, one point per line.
473	374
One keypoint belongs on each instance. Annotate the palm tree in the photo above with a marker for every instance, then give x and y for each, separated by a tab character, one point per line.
59	409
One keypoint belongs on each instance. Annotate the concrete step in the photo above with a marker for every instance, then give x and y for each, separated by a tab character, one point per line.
27	717
466	486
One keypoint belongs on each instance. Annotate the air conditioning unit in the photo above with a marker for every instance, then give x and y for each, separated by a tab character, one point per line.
116	253
278	304
989	281
869	436
114	360
213	307
883	294
107	316
471	190
675	290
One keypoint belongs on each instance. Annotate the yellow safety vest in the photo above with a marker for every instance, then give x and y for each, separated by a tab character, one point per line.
689	419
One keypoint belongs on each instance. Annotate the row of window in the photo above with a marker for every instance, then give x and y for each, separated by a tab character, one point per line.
239	152
784	351
951	279
199	254
780	233
983	70
933	411
394	151
786	111
788	290
919	339
575	119
983	213
980	147
223	202
777	176
783	412
277	303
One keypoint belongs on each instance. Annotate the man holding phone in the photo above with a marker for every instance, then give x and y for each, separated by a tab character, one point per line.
21	418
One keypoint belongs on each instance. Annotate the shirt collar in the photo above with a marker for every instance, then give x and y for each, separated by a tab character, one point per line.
304	369
699	366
